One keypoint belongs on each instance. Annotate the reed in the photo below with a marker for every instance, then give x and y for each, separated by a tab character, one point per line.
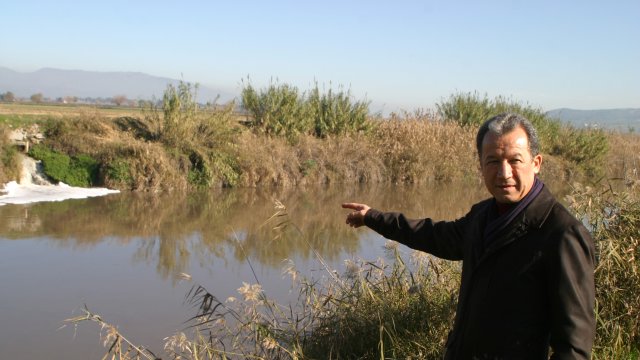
623	158
282	110
614	219
417	148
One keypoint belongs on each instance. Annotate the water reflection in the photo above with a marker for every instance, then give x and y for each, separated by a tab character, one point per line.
172	230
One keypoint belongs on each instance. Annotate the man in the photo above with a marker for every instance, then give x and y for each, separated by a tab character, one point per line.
527	274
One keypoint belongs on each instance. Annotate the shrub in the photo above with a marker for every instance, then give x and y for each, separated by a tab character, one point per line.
281	110
278	110
179	110
470	109
586	148
335	113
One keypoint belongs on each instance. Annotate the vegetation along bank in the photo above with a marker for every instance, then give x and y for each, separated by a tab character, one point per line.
286	137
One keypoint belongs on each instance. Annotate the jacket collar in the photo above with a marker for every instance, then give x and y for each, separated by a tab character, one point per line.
531	218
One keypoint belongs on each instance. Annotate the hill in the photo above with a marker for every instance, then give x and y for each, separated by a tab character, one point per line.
54	83
618	119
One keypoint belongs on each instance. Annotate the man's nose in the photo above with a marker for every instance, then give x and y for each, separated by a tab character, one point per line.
504	172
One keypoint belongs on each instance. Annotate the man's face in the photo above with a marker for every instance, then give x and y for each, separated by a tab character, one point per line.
507	166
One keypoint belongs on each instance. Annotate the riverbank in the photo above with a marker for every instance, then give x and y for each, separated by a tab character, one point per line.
286	137
122	153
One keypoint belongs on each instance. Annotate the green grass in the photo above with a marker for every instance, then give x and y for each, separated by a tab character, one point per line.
80	170
17	120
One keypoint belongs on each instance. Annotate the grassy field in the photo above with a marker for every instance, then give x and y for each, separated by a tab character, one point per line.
24	113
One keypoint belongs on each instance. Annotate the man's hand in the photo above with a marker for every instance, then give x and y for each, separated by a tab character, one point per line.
356	217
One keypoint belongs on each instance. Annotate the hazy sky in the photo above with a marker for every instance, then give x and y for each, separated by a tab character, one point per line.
396	54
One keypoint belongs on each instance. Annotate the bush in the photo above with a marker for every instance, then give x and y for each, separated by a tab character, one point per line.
281	110
278	110
470	109
334	113
586	148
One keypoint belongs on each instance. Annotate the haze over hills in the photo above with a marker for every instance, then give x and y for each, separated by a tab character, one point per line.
54	83
618	119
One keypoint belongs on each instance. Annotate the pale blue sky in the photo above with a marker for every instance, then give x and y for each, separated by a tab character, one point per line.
398	55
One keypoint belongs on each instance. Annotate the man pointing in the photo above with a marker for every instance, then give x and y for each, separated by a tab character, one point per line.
527	274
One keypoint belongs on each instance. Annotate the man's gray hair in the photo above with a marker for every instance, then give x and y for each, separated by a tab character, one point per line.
505	123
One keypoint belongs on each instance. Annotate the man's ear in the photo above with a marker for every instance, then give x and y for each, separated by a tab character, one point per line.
537	163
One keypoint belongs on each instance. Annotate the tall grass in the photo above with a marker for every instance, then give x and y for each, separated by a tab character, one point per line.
417	148
623	158
201	137
9	160
614	219
282	110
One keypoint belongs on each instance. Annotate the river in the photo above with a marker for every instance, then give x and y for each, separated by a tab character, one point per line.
121	255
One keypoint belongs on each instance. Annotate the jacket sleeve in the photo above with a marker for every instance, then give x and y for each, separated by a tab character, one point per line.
572	295
442	239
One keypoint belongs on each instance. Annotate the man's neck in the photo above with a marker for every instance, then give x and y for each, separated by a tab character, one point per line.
504	208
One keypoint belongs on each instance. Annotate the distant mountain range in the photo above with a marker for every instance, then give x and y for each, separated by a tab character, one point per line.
619	119
55	83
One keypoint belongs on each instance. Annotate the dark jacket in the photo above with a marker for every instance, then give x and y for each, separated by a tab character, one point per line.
531	288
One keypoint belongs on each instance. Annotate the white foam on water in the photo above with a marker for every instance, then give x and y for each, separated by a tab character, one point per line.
35	187
15	193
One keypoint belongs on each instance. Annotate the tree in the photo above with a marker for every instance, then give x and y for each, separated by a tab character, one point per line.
119	100
8	97
70	99
37	98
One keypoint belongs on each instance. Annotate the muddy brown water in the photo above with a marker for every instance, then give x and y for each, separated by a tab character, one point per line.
121	255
